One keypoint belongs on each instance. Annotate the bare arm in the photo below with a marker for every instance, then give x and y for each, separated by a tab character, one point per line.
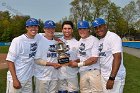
115	68
77	60
45	63
116	64
89	61
16	83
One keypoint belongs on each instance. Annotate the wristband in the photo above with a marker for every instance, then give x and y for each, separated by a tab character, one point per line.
81	64
111	78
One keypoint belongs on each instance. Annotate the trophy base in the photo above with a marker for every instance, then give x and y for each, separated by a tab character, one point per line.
63	60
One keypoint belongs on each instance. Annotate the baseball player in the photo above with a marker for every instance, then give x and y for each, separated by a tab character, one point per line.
68	81
90	80
111	58
46	66
20	59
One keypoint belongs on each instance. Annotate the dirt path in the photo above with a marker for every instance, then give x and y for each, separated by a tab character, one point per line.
3	63
132	51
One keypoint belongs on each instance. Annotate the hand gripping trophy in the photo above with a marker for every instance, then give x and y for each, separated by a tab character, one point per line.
61	49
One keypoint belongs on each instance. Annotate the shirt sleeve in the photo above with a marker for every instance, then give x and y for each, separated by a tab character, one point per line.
116	44
14	50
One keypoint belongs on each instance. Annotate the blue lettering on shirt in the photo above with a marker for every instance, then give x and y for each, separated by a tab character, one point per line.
52	54
33	49
82	51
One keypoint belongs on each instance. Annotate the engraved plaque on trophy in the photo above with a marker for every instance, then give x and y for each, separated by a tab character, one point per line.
61	49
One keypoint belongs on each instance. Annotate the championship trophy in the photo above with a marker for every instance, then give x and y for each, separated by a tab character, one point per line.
61	49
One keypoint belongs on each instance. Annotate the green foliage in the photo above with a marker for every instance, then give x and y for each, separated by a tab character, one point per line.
120	20
88	9
58	27
18	25
6	35
41	26
11	27
4	23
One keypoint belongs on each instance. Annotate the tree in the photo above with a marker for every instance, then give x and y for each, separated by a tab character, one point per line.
6	36
138	5
116	22
137	25
130	14
87	10
18	25
80	10
58	27
4	23
99	8
41	26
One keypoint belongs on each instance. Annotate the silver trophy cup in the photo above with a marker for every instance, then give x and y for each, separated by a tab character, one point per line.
61	49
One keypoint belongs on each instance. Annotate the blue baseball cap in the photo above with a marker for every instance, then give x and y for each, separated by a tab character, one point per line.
98	21
32	22
83	24
49	24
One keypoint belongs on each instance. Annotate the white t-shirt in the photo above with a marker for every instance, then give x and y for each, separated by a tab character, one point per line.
46	51
88	47
66	72
109	45
22	52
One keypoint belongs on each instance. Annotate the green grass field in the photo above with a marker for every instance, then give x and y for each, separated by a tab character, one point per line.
3	80
131	63
4	49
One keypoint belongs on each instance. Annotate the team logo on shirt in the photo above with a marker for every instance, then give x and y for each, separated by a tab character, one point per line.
52	48
68	48
33	48
100	50
82	49
52	51
100	47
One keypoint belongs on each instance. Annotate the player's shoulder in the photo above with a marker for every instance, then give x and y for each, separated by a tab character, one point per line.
17	41
18	38
112	38
94	38
74	39
112	34
38	37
